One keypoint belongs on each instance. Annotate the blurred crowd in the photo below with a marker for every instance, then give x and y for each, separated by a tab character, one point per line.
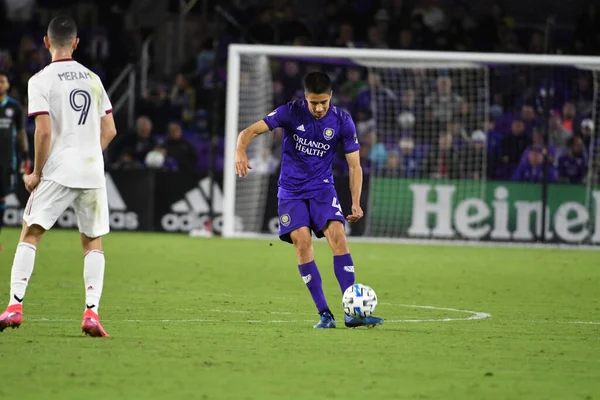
437	124
411	122
106	45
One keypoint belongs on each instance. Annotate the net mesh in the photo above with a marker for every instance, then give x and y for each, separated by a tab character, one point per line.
256	101
443	145
427	124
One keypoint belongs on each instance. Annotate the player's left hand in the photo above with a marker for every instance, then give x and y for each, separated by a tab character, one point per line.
31	181
241	164
357	213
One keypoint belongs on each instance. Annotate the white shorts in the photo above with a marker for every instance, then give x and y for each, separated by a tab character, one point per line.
50	199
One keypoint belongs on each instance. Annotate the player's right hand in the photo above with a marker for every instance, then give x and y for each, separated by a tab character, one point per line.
241	164
31	181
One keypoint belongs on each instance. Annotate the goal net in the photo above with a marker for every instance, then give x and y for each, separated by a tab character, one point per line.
451	143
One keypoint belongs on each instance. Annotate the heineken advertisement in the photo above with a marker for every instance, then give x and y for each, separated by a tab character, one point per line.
499	211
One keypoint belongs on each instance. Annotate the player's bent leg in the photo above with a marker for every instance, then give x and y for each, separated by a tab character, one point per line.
302	241
343	265
336	237
90	243
344	270
31	234
22	269
301	238
46	203
93	275
328	220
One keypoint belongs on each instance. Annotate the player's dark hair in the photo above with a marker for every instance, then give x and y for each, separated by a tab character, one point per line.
317	83
62	30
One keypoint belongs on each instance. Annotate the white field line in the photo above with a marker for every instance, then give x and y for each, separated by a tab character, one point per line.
475	315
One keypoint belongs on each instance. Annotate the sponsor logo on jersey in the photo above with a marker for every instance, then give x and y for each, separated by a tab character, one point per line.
9	112
310	147
301	128
328	133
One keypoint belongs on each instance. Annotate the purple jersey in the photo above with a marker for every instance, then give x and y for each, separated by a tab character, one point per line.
309	146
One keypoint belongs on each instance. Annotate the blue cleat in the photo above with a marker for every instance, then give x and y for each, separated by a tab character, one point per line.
326	321
369	322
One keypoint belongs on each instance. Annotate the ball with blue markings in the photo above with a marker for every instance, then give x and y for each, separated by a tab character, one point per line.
359	301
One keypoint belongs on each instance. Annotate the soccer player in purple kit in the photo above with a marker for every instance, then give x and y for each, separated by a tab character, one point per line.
313	129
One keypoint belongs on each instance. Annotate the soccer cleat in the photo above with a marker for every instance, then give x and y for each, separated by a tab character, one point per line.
369	322
12	317
91	325
326	321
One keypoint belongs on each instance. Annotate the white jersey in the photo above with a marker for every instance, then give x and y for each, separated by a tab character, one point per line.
75	99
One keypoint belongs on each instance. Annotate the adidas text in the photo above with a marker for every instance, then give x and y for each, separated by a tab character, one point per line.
192	211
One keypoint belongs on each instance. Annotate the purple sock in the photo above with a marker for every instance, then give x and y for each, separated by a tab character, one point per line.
343	267
311	276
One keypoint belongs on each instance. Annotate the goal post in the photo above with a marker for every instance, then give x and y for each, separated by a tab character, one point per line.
415	102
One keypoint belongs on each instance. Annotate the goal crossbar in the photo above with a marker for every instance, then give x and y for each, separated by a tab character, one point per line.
414	55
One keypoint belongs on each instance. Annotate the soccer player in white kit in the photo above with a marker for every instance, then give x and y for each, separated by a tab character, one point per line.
73	126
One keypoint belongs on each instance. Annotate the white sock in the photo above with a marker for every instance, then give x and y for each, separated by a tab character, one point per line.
93	275
22	269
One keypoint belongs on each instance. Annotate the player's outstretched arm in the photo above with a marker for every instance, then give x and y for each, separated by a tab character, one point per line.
356	179
42	137
108	131
244	138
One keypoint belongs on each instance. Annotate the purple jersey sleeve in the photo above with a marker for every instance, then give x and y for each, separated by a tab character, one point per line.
349	136
278	117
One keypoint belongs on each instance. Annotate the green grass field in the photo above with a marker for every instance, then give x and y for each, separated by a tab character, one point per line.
226	319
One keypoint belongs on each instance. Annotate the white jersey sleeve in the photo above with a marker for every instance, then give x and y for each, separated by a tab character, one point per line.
38	98
106	107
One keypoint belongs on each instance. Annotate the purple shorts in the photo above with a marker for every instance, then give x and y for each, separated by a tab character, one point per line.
314	213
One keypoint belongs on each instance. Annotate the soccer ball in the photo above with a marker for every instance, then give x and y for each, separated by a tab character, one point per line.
359	301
